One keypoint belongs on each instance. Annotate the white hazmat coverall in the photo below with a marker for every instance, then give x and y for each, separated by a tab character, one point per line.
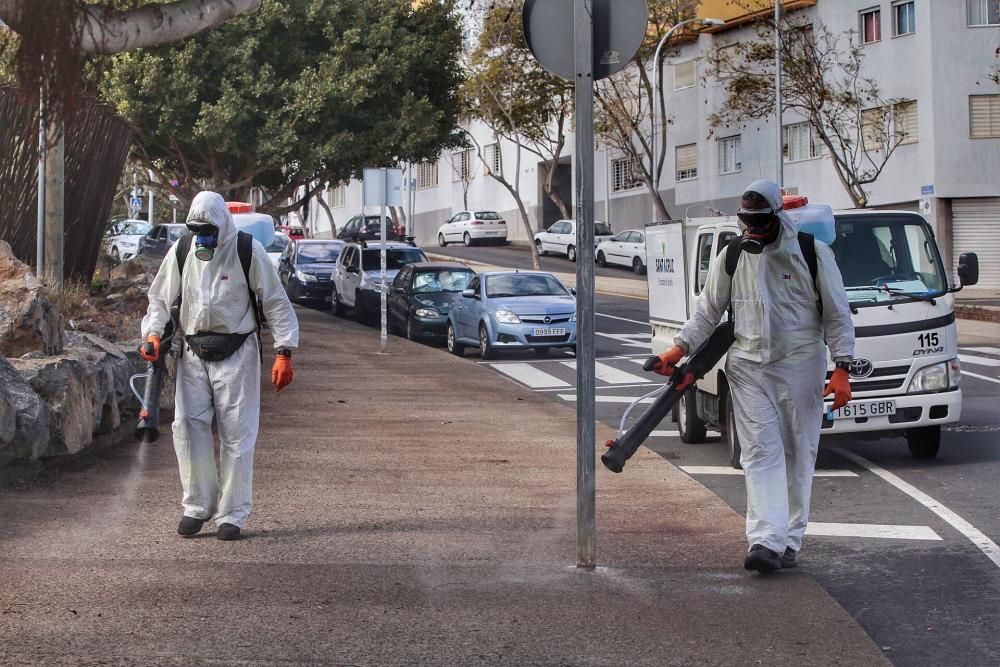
776	369
216	299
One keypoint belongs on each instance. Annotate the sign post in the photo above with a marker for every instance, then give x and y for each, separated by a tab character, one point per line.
383	187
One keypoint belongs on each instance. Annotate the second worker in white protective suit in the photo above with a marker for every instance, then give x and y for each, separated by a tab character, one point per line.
776	367
218	370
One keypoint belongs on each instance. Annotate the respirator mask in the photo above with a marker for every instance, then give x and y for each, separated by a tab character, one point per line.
760	222
206	239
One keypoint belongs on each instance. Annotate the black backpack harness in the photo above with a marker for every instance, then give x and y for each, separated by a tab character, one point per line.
807	244
215	346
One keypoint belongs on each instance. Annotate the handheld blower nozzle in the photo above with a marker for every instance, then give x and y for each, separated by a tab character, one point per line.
705	357
147	429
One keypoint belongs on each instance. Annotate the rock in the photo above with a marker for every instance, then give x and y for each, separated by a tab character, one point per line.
118	296
24	417
29	321
132	268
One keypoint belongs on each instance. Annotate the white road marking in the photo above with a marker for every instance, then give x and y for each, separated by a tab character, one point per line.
729	470
629	340
974	535
978	361
981	377
610	374
605	399
622	319
875	530
983	350
664	434
529	375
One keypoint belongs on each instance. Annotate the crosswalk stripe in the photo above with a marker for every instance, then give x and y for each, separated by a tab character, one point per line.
610	374
983	350
605	399
978	361
527	374
876	530
729	470
629	340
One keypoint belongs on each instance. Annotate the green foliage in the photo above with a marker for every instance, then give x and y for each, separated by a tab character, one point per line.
8	49
297	91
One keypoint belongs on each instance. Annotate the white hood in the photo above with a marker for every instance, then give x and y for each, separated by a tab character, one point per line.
770	191
209	207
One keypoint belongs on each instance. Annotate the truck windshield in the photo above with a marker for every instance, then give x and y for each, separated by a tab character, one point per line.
888	257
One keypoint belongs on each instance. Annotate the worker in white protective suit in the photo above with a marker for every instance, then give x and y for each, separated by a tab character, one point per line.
777	365
215	271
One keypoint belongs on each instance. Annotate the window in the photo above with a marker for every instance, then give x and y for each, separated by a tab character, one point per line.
684	75
461	165
873	131
801	143
904	18
729	155
984	116
704	261
904	117
427	175
983	12
871	25
493	158
687	162
622	175
337	195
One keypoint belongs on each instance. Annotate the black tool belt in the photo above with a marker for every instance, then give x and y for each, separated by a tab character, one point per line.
215	346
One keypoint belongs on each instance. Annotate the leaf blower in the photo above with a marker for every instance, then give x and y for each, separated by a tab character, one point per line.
705	357
147	429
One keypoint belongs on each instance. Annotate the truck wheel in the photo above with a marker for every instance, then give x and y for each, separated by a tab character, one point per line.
729	435
689	425
924	442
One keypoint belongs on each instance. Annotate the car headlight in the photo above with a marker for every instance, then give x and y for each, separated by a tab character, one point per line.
930	378
305	277
506	317
426	312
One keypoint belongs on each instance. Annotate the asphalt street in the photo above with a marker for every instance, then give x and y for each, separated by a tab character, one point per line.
517	256
904	545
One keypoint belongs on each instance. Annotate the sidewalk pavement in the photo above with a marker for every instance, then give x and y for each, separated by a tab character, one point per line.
410	508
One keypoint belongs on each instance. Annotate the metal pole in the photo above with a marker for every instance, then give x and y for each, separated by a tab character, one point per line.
150	190
40	233
585	432
777	92
383	335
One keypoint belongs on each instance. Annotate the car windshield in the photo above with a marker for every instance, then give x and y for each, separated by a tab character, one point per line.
137	228
441	280
602	229
175	233
395	258
319	253
888	257
278	244
487	215
523	284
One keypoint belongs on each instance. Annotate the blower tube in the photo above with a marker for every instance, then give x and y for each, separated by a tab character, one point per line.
147	429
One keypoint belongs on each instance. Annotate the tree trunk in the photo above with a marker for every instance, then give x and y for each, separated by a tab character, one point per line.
659	208
553	194
55	186
329	214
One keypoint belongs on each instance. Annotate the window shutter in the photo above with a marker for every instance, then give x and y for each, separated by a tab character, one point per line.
684	75
687	161
984	116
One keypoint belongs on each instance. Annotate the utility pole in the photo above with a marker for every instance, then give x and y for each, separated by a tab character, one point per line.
777	93
40	226
55	191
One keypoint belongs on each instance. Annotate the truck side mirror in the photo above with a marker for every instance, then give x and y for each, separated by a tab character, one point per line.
968	269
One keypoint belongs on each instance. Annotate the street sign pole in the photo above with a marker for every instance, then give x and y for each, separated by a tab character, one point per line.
584	157
383	333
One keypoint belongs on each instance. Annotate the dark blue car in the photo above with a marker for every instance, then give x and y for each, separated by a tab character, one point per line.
305	268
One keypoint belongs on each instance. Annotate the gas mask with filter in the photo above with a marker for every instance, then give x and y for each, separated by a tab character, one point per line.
206	239
760	223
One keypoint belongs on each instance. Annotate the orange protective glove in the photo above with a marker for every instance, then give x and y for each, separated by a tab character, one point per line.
281	372
150	350
669	360
840	386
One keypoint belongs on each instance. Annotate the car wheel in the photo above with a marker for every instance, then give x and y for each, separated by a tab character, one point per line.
601	259
924	442
638	266
572	350
467	240
538	248
441	241
336	305
486	351
114	254
571	253
689	425
729	435
454	346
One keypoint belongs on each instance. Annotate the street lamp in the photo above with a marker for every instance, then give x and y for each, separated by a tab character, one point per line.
657	84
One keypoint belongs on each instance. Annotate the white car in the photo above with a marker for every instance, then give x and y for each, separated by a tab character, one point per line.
277	247
122	240
357	275
470	227
560	238
626	248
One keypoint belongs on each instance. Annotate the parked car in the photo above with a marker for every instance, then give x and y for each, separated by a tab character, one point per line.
626	248
277	247
122	240
292	232
357	275
421	297
369	227
470	227
158	240
305	269
512	310
560	238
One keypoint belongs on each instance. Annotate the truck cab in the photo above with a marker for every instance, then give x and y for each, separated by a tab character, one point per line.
905	377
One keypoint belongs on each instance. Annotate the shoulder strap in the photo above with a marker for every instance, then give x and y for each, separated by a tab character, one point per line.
807	244
733	250
181	252
244	248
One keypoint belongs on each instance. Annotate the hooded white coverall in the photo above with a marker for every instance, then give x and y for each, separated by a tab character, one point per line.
776	369
216	299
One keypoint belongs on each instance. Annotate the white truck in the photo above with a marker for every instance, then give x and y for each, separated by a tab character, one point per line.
905	376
